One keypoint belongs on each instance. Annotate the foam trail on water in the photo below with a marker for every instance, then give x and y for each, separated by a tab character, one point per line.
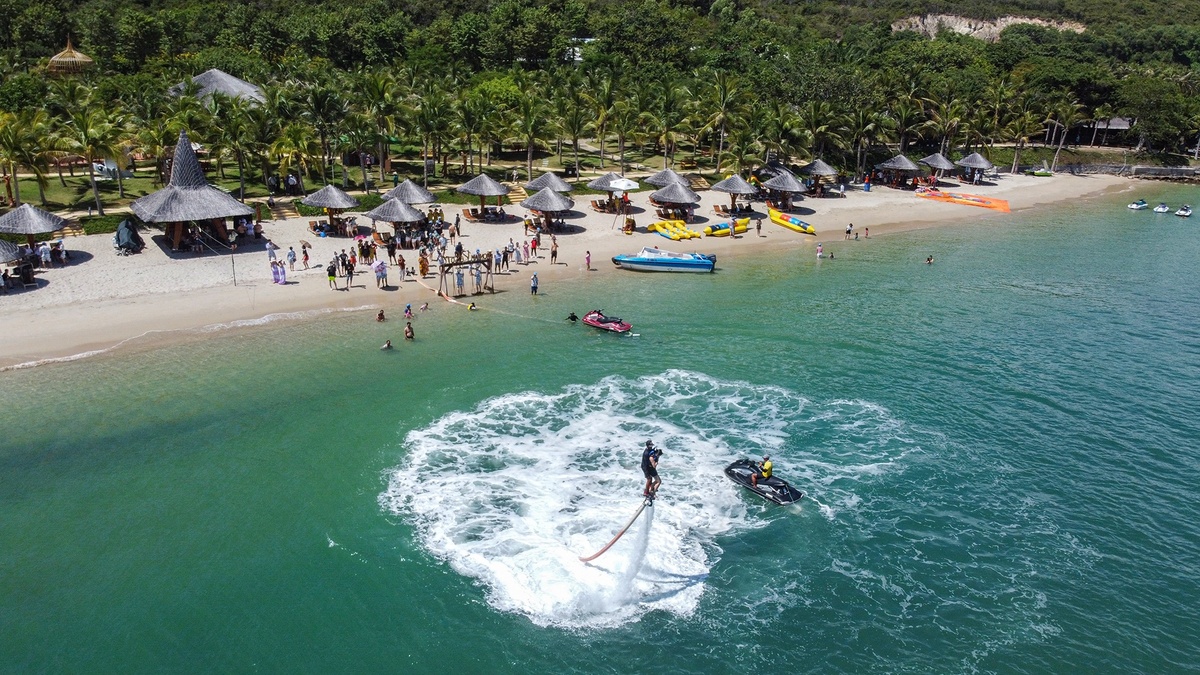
512	492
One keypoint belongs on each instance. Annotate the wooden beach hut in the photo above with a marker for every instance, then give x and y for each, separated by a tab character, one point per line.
189	198
548	203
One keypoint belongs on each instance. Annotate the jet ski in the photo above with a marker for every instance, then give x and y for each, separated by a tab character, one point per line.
1184	212
1162	208
773	489
596	319
1138	205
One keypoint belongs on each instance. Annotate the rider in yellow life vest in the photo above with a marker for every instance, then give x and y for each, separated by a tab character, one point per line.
764	470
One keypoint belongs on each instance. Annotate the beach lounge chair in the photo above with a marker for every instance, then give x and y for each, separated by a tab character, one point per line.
720	210
469	214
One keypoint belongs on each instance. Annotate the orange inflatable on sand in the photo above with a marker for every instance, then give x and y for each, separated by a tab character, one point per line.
961	198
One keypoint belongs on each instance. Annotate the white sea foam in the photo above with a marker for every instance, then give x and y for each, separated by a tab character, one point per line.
513	492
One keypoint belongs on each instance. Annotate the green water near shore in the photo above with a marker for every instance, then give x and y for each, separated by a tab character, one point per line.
1000	451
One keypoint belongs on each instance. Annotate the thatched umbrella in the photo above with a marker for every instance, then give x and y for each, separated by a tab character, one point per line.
484	186
8	251
29	220
735	185
784	181
69	61
602	183
819	168
395	211
330	197
410	193
898	163
549	180
188	197
675	193
666	177
937	161
974	161
547	201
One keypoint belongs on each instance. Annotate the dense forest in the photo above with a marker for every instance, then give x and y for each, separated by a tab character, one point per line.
728	83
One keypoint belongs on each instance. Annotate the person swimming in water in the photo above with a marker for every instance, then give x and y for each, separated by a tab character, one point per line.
425	307
380	317
408	311
572	318
408	331
929	260
471	307
387	345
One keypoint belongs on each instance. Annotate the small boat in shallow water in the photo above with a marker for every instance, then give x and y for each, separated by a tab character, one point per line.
1162	208
612	324
1184	211
1138	205
656	260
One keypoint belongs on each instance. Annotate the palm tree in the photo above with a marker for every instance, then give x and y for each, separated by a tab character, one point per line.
624	121
945	117
358	135
324	108
909	120
602	96
468	119
574	124
294	148
1104	112
14	136
722	105
864	127
818	121
379	97
427	122
1020	129
530	127
743	149
667	118
1067	114
92	133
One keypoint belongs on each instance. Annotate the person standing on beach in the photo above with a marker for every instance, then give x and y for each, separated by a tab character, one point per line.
349	276
553	249
758	227
291	258
849	229
271	248
587	261
866	233
533	284
304	256
332	272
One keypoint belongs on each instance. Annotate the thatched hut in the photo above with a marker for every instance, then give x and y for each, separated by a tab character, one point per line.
69	61
410	193
220	82
189	198
549	180
29	220
666	177
484	186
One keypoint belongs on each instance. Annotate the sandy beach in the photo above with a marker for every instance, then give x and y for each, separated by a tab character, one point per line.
102	300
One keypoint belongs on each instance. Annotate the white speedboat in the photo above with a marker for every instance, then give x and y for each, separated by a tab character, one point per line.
656	260
1162	208
1184	211
1139	205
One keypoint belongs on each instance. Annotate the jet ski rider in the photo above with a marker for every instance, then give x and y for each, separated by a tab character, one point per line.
764	471
650	469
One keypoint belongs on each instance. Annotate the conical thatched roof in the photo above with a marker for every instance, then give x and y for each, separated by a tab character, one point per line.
220	82
898	163
396	211
975	161
666	177
675	193
8	251
735	185
937	161
549	180
410	193
602	182
28	219
330	197
188	196
819	168
548	201
69	61
784	181
483	185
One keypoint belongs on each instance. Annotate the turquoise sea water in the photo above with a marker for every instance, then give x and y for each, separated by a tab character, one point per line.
1001	451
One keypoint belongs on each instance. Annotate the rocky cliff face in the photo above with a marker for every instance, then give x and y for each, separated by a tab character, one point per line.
988	31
